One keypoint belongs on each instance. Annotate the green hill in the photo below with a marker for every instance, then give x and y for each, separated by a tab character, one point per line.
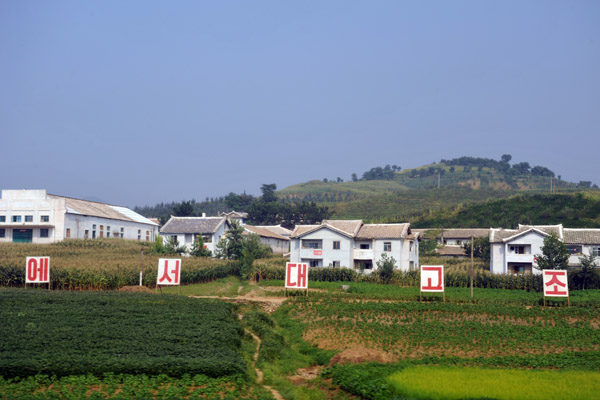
574	210
433	191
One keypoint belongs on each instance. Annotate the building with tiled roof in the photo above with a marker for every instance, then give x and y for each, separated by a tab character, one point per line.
185	230
353	244
275	236
38	217
450	241
514	250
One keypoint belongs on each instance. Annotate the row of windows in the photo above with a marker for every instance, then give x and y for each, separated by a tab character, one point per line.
119	234
44	233
318	244
26	218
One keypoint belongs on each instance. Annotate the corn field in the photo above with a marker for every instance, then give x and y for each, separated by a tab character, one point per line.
103	264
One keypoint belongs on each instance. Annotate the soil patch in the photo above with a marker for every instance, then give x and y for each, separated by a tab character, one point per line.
136	289
359	355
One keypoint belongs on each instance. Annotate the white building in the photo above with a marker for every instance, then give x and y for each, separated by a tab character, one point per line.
185	230
513	251
352	244
275	236
450	241
37	217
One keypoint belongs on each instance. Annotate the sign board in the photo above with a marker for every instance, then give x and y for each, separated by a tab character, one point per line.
37	270
169	271
556	283
318	252
432	278
296	276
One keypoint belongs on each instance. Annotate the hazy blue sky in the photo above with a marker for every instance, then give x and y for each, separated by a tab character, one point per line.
137	102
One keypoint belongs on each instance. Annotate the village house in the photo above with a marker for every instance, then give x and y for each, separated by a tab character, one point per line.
35	216
238	216
275	236
185	230
513	251
353	244
450	241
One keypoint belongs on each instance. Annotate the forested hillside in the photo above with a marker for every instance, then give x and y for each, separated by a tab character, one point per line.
575	210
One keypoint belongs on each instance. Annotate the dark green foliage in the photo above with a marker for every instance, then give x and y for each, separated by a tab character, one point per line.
230	245
386	173
70	333
252	249
261	324
587	272
555	254
481	248
385	268
572	210
198	249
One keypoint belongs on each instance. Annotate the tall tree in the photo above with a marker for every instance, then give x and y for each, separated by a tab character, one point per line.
184	209
506	158
555	254
268	192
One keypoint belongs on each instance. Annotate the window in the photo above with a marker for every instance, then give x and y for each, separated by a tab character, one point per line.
336	245
139	234
2	232
312	244
313	263
87	234
122	232
44	233
365	246
573	249
336	264
108	234
108	228
29	218
458	242
207	238
518	249
16	218
44	218
411	244
174	239
68	233
94	226
595	251
387	246
2	218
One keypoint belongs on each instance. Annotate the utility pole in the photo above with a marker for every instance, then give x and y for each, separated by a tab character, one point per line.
142	267
472	271
439	175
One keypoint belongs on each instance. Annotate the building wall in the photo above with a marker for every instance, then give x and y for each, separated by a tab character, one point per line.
502	255
36	204
350	250
327	254
80	225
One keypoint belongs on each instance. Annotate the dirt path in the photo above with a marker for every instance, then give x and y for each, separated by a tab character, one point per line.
267	303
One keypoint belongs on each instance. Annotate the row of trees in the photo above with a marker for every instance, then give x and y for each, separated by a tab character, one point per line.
503	165
269	210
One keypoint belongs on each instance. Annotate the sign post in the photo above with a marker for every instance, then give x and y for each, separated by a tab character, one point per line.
432	280
296	277
556	284
169	272
37	270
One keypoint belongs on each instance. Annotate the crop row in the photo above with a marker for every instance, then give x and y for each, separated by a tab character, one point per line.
416	330
66	333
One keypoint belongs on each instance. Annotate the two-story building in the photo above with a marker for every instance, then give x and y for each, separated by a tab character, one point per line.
450	242
274	236
353	244
513	251
185	230
38	217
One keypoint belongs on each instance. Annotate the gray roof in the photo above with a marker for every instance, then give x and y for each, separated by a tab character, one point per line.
356	229
500	235
383	231
465	233
581	236
102	210
192	225
271	231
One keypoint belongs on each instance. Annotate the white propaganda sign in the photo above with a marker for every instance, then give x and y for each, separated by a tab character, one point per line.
169	271
37	270
296	276
432	278
556	283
